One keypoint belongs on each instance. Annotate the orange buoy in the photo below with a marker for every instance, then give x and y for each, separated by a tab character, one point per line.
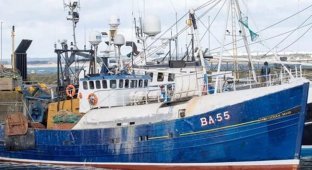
93	99
70	90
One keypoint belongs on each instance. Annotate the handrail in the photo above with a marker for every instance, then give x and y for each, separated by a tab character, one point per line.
226	83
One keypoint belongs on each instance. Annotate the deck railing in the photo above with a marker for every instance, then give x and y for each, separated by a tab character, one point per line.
195	84
233	84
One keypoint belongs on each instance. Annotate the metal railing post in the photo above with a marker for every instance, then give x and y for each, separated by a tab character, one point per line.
234	84
296	71
281	77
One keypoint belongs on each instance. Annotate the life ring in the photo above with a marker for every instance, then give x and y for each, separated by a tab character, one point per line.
93	99
70	90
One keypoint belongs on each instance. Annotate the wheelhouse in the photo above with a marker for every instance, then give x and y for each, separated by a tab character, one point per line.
110	90
115	82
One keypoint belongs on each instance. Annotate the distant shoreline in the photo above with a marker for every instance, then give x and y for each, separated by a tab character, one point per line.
34	65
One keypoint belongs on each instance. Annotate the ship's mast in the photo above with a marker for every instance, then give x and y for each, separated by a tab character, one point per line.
234	39
194	27
69	54
13	48
73	16
251	66
235	8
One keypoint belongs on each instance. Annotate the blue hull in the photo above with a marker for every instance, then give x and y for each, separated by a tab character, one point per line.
266	128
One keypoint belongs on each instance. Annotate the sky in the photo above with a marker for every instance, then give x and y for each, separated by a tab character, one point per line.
44	21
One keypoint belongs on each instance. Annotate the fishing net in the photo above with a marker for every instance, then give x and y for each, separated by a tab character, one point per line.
253	35
66	117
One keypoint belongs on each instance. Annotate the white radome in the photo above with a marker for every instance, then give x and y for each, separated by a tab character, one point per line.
151	25
95	38
119	40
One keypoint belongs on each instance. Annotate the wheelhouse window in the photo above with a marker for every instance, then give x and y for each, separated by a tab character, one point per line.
85	85
113	84
134	83
127	83
98	84
91	84
104	83
121	84
145	83
171	77
160	77
140	83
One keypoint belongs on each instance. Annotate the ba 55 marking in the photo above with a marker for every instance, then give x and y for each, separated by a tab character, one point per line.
212	119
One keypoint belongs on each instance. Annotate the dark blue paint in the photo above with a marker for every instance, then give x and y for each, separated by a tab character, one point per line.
275	139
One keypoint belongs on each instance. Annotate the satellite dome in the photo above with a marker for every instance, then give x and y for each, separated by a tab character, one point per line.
95	38
119	40
151	25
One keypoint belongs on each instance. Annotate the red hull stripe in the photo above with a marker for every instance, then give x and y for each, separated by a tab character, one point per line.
254	165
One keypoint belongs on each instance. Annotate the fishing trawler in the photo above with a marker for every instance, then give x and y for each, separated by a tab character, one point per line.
126	125
191	130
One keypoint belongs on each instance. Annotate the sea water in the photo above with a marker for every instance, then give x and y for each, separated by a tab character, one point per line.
42	70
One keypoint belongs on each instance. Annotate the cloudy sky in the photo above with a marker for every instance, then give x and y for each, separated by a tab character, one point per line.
44	21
